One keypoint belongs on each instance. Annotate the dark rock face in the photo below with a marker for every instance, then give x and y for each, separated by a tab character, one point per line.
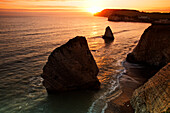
124	15
153	96
110	12
108	34
105	12
122	18
153	47
71	67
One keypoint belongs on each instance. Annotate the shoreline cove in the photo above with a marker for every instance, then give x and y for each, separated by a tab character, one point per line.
136	73
23	57
133	78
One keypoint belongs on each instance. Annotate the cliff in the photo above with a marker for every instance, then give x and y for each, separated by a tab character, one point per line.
71	67
125	15
153	47
153	96
108	12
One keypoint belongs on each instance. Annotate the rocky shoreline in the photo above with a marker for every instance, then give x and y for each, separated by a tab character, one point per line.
153	97
138	93
153	47
136	75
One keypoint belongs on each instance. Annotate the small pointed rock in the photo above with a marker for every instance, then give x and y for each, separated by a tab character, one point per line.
108	34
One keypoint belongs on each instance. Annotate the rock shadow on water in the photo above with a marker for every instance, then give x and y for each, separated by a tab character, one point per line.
70	102
65	102
108	42
140	70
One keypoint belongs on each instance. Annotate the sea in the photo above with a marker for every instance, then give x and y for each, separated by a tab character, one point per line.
26	41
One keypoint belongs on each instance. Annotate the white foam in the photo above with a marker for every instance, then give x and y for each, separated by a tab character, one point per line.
101	104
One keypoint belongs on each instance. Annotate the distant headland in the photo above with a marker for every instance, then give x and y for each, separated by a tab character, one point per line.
125	15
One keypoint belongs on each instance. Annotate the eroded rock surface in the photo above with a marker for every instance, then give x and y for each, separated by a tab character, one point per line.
153	96
71	67
153	47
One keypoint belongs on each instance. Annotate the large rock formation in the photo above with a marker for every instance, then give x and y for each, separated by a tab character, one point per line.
125	15
153	47
153	96
108	34
105	12
71	67
109	12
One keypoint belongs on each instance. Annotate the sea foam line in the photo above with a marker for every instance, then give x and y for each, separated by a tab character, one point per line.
108	96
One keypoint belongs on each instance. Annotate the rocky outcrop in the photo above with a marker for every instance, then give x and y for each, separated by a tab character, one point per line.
109	12
108	34
153	47
71	67
105	12
124	15
153	96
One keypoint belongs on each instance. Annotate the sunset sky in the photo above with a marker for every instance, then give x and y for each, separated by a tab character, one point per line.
84	5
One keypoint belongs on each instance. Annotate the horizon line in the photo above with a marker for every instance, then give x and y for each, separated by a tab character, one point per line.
76	10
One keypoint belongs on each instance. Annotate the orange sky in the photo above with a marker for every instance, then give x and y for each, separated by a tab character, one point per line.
83	5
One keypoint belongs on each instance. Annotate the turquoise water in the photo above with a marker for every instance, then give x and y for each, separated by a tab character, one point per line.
25	44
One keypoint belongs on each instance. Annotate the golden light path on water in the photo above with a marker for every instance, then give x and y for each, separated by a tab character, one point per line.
109	57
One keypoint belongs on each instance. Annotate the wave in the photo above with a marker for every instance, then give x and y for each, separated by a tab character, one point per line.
28	30
100	104
25	51
29	59
38	33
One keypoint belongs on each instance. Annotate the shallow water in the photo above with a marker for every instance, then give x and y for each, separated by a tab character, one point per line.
27	41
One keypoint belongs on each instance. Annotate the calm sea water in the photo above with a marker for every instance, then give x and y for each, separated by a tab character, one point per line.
27	41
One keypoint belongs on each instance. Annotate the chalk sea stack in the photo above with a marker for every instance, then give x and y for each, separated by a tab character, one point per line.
153	96
71	67
108	34
153	47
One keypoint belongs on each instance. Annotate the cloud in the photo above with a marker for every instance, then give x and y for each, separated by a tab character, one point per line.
7	1
36	0
39	4
47	6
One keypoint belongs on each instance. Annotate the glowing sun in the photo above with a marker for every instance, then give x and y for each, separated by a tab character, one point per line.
94	9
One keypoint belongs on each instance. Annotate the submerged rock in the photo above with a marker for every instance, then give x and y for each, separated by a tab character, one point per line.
108	34
153	47
71	67
153	96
